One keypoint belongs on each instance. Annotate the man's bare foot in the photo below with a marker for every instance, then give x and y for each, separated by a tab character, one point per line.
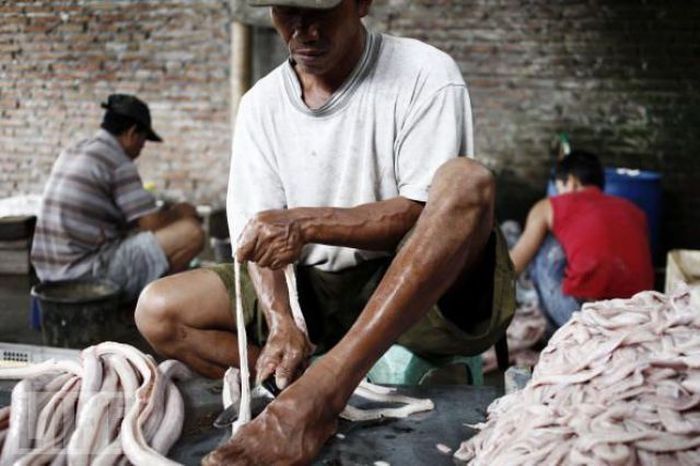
291	430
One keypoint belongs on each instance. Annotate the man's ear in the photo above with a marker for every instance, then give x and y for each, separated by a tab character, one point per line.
132	132
575	183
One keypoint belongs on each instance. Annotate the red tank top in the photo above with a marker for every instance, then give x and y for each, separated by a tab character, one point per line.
606	243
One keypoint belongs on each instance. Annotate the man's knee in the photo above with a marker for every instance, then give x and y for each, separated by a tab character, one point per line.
156	315
183	238
194	234
464	183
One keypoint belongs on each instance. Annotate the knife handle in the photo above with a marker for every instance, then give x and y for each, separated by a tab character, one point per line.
270	385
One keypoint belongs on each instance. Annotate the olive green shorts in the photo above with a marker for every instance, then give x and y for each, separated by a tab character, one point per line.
463	322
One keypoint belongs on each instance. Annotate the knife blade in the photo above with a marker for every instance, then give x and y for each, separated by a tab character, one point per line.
261	396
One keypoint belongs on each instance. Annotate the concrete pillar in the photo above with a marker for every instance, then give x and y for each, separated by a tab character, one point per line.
240	65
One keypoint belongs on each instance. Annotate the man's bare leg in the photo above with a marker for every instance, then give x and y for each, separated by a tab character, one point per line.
447	241
188	316
181	241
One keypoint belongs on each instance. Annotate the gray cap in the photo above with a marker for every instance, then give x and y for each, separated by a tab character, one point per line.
316	4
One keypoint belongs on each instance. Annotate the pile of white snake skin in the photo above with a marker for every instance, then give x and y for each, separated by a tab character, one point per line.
618	384
114	406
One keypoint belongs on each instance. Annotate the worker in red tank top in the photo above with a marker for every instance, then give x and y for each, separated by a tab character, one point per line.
586	245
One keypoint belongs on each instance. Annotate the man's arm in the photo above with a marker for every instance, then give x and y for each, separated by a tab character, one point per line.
287	348
377	226
539	222
274	238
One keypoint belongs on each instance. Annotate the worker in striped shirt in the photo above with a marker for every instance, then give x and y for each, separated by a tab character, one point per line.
97	220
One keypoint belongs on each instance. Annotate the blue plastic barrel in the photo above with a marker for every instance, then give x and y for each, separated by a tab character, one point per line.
639	186
644	189
551	186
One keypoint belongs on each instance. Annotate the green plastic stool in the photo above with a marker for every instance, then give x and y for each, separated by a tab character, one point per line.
399	366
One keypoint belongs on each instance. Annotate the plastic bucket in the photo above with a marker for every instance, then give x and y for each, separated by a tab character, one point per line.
77	313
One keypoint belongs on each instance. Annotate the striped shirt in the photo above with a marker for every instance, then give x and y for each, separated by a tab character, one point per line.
93	195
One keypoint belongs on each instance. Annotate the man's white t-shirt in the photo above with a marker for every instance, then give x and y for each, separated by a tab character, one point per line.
402	113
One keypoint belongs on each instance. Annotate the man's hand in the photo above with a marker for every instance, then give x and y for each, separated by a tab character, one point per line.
285	354
271	239
292	429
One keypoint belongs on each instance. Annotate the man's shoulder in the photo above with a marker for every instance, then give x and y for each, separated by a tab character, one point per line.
598	202
267	89
412	47
623	205
415	56
100	151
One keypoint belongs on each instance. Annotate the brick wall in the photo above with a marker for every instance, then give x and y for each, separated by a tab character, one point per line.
59	59
621	77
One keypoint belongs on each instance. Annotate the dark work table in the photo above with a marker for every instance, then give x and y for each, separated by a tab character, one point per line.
409	441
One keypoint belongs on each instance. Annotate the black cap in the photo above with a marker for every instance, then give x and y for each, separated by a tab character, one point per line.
129	106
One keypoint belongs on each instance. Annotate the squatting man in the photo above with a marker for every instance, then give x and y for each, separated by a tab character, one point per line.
352	160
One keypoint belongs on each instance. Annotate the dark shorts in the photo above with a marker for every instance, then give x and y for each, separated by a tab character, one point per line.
463	322
132	263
